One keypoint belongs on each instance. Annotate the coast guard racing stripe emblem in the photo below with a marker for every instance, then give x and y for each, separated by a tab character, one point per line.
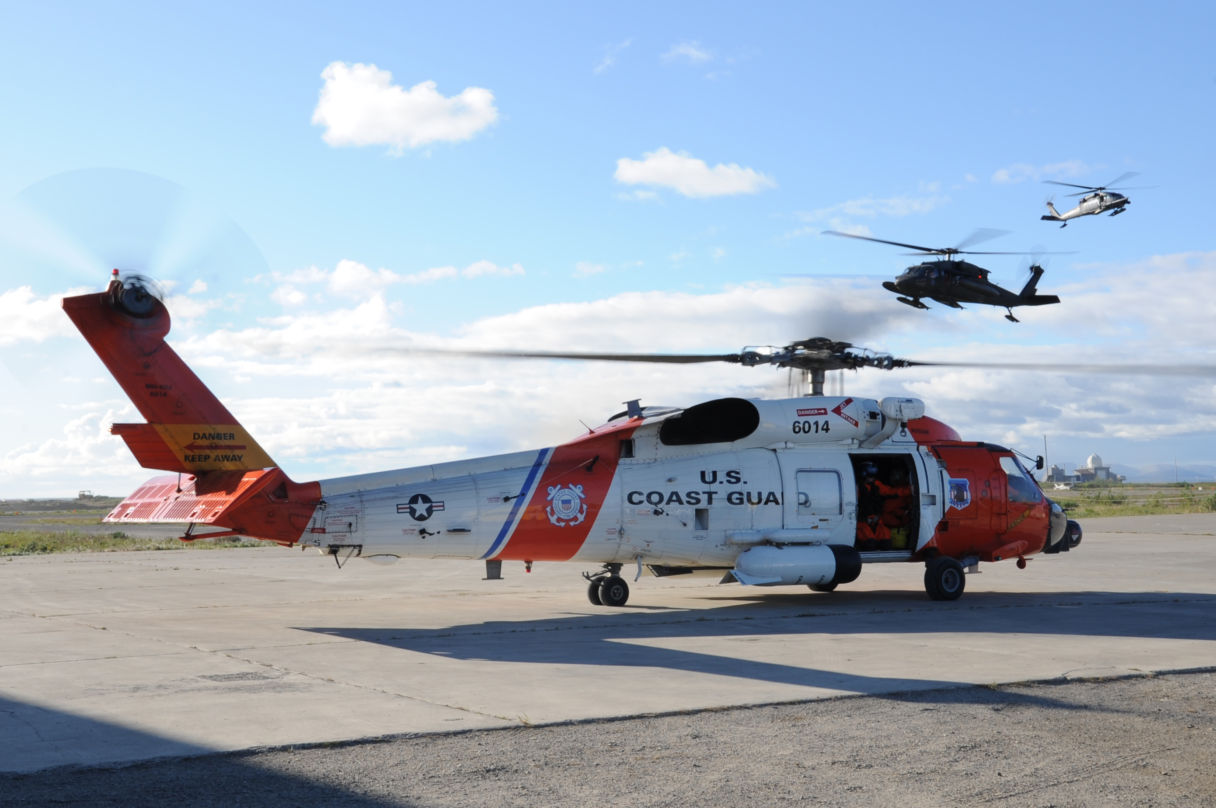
568	497
566	505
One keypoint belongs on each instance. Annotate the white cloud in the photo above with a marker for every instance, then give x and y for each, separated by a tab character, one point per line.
355	280
585	269
690	52
843	215
610	54
871	208
80	457
25	317
1024	172
478	269
288	295
690	176
360	106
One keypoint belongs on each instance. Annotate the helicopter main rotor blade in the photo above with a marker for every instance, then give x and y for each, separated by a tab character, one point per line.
793	356
1110	185
1125	176
1124	368
923	250
980	235
670	359
1074	185
983	234
986	252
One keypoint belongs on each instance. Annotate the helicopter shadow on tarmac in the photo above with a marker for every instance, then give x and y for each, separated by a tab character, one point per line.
86	765
629	637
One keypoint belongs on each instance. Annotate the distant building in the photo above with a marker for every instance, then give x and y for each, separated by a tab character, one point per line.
1093	470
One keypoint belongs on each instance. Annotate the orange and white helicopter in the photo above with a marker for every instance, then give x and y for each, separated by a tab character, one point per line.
800	491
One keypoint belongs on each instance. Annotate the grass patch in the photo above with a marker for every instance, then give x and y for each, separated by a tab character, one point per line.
42	542
84	505
1093	500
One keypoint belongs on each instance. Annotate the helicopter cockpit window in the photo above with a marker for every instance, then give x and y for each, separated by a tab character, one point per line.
1022	487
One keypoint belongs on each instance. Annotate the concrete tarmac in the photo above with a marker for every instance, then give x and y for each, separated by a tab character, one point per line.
113	658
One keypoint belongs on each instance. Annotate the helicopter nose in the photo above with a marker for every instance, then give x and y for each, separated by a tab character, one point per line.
1057	526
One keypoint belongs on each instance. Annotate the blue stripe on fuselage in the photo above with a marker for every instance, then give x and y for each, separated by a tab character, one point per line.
520	501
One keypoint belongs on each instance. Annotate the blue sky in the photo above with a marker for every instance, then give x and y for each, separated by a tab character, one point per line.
318	187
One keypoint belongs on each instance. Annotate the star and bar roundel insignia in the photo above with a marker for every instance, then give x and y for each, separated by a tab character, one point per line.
420	507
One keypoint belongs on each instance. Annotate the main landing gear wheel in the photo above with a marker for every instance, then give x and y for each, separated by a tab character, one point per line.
613	591
944	578
607	587
822	587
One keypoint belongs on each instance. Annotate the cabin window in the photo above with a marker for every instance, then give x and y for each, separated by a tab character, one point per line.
1022	487
700	519
627	448
819	493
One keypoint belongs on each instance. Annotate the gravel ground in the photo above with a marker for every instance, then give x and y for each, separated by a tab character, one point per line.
1144	741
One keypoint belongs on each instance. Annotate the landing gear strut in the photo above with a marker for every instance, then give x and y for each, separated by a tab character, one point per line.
607	587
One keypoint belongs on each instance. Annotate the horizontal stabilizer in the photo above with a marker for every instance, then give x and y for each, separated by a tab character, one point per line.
193	447
259	504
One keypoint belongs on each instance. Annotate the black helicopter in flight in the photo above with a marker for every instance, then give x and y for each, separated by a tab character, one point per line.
953	282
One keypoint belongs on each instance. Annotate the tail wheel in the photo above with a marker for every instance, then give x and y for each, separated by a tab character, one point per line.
944	578
614	591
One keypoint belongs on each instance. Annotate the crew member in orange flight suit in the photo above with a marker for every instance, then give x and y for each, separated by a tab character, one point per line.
896	506
872	534
872	493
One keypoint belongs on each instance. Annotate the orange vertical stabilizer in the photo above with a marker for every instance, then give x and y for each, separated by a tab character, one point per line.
224	477
188	429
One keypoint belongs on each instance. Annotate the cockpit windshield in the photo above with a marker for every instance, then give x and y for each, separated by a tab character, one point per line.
1022	487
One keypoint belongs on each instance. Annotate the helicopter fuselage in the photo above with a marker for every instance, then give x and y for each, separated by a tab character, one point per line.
1101	202
1090	205
951	282
769	492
